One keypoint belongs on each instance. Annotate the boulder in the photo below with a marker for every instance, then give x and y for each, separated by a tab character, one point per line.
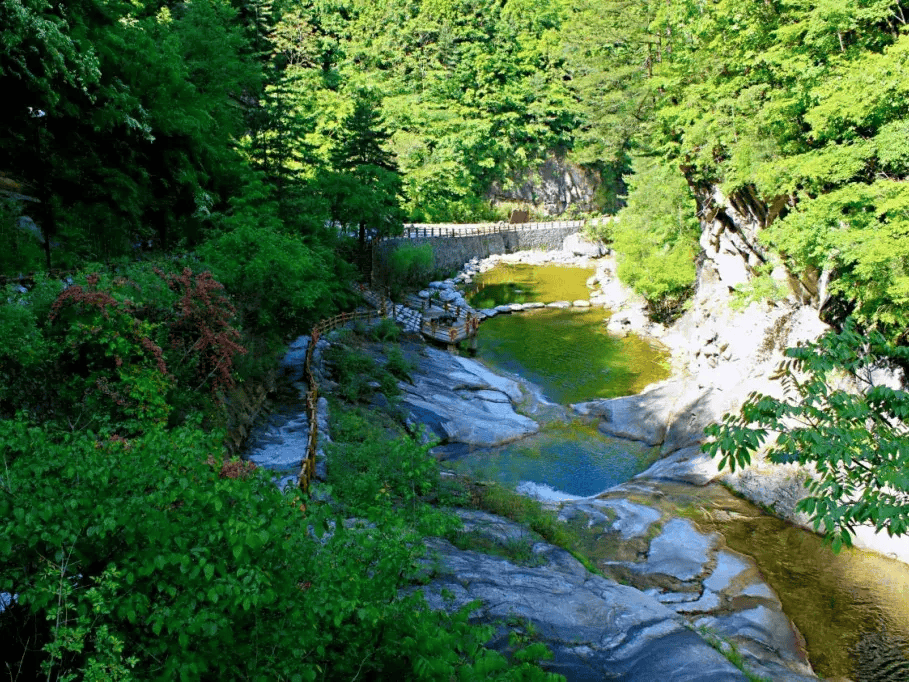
580	245
461	401
596	628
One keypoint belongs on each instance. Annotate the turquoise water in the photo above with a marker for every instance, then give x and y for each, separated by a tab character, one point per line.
572	458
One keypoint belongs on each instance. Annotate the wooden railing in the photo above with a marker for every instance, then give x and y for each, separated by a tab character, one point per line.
308	466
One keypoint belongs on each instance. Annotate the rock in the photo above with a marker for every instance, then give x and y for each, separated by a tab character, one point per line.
596	628
581	304
462	401
680	551
672	413
559	305
580	245
692	573
633	520
292	362
688	465
550	187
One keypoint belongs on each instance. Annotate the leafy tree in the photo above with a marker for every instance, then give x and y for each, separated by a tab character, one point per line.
364	187
655	237
850	431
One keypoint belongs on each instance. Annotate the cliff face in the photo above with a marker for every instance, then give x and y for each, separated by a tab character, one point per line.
725	353
552	188
721	342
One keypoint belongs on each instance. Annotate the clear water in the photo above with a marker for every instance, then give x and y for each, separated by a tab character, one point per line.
572	458
852	608
522	283
568	353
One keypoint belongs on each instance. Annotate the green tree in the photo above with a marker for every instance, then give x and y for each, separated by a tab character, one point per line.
835	418
364	186
655	237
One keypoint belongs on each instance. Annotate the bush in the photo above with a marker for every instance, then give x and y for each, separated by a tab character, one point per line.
147	558
278	282
398	365
357	374
656	237
410	266
385	330
369	471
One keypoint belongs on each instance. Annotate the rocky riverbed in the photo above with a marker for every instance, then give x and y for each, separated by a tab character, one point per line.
671	594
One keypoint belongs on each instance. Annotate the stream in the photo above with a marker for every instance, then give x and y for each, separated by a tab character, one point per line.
851	608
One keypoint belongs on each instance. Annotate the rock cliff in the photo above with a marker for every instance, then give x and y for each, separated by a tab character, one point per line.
552	188
723	352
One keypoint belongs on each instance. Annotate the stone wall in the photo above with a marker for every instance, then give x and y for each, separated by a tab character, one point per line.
450	253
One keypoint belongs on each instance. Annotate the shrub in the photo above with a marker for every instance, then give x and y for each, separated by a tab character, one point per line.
656	237
410	266
278	282
138	557
386	330
398	365
357	374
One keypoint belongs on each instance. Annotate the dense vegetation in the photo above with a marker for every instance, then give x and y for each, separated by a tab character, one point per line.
189	164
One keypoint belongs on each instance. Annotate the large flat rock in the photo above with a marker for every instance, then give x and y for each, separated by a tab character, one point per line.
596	628
462	401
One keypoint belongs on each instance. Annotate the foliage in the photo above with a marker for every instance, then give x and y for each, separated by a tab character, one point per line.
201	334
399	366
527	511
837	419
369	471
123	119
278	281
359	376
385	330
116	348
410	265
762	287
655	237
136	557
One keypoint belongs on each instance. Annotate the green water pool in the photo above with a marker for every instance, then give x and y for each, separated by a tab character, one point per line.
568	353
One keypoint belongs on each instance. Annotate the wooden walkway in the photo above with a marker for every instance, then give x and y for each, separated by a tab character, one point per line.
440	323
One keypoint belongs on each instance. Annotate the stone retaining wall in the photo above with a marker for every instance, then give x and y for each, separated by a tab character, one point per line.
450	253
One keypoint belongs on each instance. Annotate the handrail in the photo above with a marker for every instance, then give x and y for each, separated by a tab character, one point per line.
308	466
452	230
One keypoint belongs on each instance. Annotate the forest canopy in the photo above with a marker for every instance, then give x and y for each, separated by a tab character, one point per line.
206	175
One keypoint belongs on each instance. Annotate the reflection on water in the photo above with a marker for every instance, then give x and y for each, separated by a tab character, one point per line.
852	608
521	283
570	458
569	354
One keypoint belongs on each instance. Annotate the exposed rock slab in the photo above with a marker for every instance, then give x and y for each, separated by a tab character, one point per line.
462	401
596	628
692	573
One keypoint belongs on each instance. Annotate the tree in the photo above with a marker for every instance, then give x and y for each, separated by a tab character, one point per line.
656	237
364	188
838	420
